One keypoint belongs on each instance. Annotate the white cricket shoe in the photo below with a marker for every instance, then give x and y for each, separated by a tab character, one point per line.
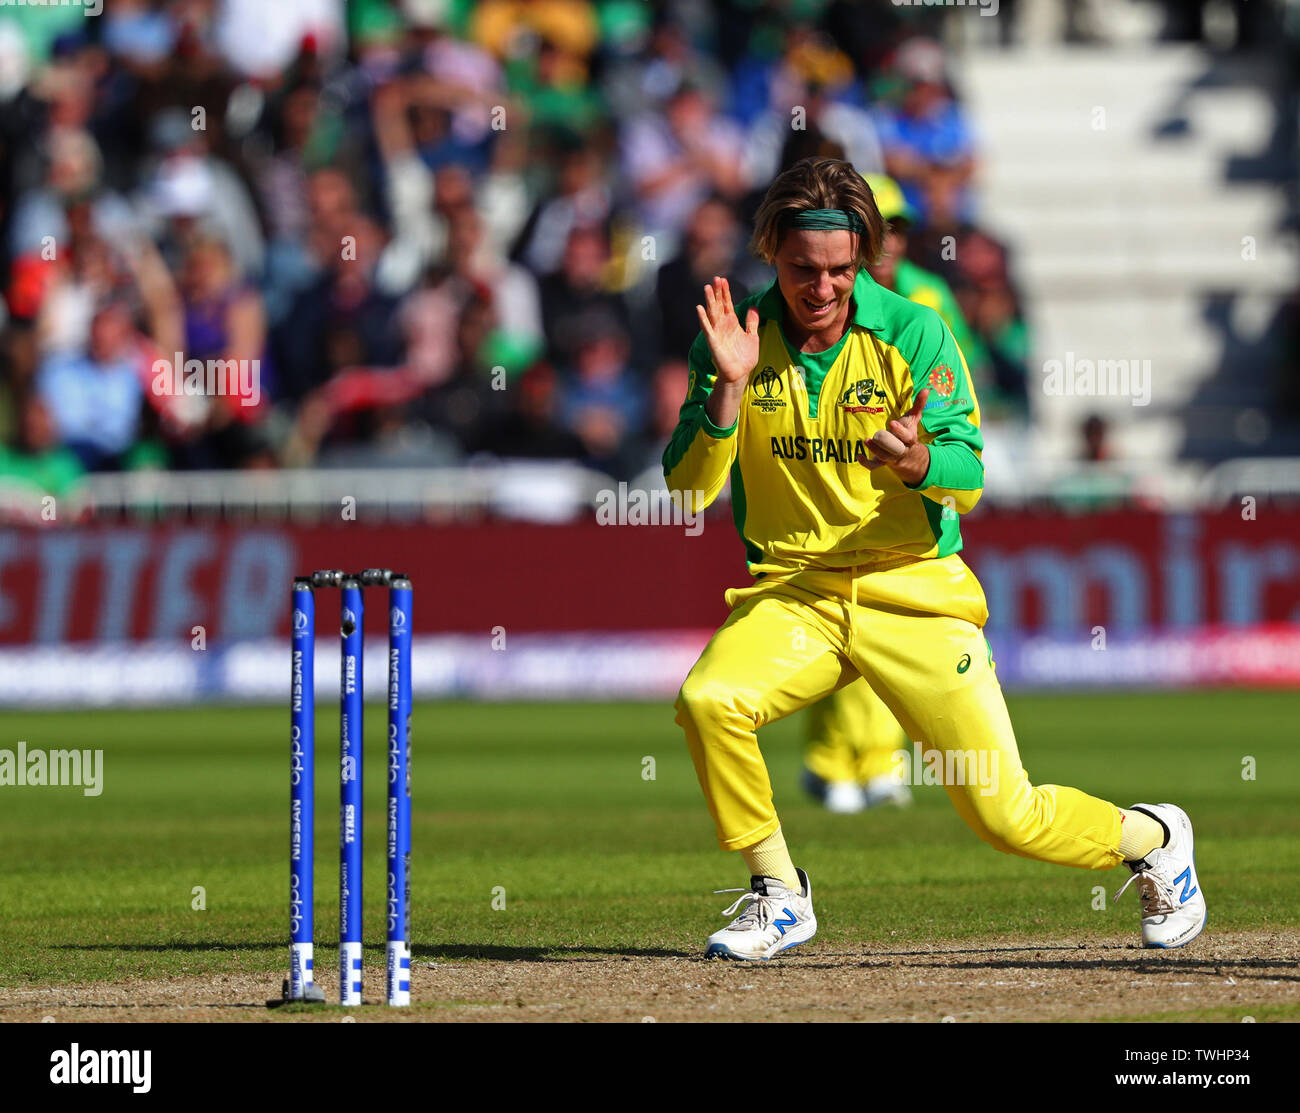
887	791
839	797
844	798
775	919
1173	906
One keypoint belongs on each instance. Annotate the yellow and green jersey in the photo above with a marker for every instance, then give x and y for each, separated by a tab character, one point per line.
798	494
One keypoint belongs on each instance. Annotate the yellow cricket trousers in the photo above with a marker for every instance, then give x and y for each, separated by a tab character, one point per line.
913	632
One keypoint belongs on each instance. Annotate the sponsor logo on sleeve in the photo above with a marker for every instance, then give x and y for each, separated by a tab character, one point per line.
942	382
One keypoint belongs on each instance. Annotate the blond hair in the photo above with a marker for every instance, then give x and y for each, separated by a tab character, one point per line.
817	183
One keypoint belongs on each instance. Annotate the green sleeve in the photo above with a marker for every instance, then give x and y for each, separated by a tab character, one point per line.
950	422
970	345
699	454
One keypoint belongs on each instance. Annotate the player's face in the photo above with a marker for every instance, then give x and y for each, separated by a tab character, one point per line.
815	271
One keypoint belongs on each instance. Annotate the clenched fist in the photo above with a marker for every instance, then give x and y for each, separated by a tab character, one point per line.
897	446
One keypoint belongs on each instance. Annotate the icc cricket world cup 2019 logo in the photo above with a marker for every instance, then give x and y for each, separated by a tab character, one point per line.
767	389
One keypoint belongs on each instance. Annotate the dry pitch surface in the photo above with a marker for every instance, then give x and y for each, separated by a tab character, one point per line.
1219	977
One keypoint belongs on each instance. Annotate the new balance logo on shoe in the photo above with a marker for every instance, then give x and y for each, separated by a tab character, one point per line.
1173	906
775	918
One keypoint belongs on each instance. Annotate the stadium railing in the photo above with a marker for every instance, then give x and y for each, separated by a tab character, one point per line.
563	492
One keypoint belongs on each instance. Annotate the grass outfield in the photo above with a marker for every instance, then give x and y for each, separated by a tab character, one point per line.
548	802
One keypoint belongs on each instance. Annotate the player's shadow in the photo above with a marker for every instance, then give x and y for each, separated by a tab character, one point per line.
1168	962
423	952
178	945
132	1005
432	952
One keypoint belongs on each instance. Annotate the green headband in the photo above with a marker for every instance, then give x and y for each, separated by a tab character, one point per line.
827	220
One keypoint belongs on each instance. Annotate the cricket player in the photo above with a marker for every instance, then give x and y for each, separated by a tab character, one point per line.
845	419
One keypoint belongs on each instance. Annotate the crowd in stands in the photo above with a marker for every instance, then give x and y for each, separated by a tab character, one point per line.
438	229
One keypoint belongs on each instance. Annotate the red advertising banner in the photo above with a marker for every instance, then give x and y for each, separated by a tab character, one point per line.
1043	573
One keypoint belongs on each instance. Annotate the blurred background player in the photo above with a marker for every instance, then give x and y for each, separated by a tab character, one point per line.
851	754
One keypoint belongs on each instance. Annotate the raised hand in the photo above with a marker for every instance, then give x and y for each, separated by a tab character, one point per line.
734	348
897	445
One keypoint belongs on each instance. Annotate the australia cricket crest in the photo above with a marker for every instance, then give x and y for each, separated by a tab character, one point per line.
863	397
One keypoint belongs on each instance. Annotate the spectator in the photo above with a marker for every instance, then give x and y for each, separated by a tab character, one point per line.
464	405
261	39
600	401
676	159
554	86
429	314
91	269
95	399
224	321
341	320
1287	357
581	197
668	384
187	186
1093	431
530	428
928	142
140	33
71	177
19	356
816	80
712	245
647	78
302	135
34	460
507	27
471	256
578	293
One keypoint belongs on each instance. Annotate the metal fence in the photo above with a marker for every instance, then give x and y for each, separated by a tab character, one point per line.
564	492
